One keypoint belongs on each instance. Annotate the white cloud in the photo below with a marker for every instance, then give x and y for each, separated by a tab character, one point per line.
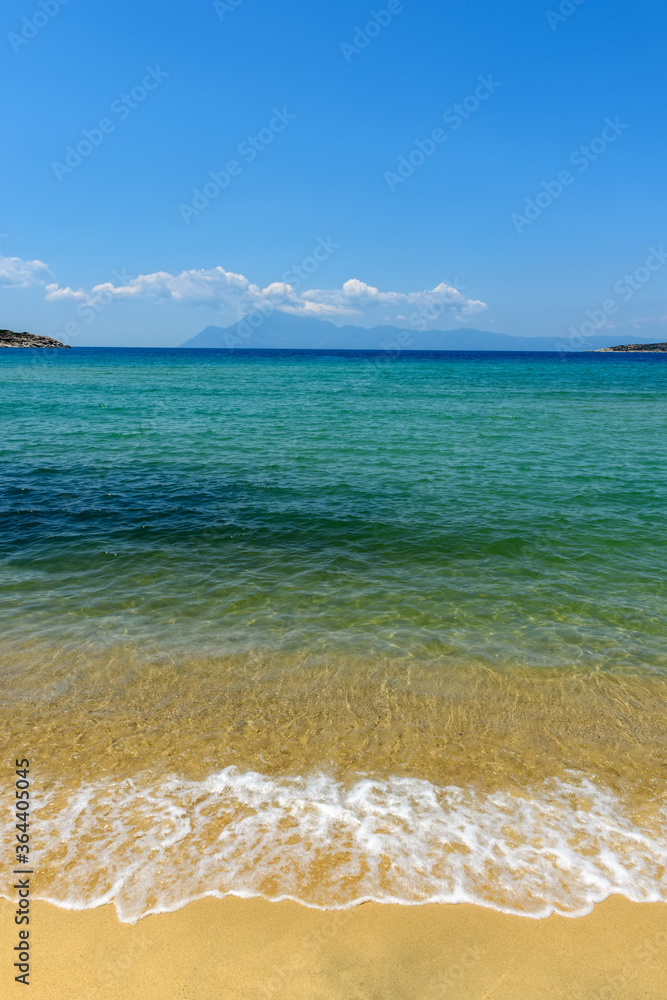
358	298
649	319
235	296
17	273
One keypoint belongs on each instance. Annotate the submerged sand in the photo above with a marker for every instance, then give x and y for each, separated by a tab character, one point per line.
250	949
332	780
116	713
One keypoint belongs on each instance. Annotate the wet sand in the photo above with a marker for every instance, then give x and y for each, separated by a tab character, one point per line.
255	950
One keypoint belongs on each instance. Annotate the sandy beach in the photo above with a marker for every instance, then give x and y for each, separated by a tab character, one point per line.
233	948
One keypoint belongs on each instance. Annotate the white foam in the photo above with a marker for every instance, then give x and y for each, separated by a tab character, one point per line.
150	845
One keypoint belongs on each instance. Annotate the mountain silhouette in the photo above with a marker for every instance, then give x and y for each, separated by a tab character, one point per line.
281	330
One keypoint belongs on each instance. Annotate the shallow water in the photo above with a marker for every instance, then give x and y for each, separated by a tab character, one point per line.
400	626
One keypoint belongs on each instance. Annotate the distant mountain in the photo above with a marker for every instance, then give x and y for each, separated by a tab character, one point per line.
280	330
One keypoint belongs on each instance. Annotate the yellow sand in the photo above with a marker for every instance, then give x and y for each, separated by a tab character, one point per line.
255	950
116	714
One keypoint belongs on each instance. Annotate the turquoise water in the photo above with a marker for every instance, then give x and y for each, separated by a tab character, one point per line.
514	505
302	563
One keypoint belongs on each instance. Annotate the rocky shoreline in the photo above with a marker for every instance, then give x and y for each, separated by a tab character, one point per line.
10	339
636	348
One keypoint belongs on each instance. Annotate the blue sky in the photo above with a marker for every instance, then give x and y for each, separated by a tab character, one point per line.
338	96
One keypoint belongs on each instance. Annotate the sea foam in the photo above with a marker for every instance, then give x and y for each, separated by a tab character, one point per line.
151	845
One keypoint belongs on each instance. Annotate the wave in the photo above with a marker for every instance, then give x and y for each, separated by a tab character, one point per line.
152	845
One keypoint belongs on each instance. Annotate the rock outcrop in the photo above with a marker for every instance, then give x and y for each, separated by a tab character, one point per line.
636	347
10	339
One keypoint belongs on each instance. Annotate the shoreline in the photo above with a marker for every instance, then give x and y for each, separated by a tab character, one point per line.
216	949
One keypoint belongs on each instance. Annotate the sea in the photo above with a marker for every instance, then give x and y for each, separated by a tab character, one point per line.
336	626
